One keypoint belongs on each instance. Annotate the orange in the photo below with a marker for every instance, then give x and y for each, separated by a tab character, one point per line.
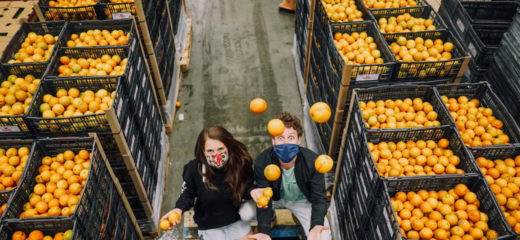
464	224
164	225
443	143
474	215
275	127
417	224
18	235
39	189
174	217
35	235
323	163
461	190
272	172
262	201
460	204
476	233
441	234
268	192
470	197
413	235
320	112
258	105
426	233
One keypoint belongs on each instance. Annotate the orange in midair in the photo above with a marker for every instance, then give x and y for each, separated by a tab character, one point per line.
323	163
258	105
320	112
272	172
275	127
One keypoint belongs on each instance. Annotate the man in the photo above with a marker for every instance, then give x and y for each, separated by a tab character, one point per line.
300	188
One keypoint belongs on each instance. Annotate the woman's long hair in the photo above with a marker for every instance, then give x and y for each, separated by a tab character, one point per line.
239	168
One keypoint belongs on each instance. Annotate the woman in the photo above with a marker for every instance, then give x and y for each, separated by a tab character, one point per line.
215	184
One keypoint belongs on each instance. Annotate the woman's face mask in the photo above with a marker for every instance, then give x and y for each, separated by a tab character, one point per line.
216	153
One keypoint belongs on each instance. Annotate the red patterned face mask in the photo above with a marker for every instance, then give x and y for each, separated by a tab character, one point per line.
217	160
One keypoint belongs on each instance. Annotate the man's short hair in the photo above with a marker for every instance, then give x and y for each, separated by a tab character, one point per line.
291	121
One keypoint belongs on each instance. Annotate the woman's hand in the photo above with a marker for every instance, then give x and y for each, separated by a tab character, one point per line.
176	220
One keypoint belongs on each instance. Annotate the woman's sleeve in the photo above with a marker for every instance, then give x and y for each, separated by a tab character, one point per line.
188	191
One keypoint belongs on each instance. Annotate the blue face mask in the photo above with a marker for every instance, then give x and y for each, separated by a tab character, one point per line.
286	152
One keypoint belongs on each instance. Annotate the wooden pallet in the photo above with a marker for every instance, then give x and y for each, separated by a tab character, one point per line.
185	57
13	14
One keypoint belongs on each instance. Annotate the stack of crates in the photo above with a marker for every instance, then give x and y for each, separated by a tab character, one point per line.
480	26
332	76
98	213
365	187
503	72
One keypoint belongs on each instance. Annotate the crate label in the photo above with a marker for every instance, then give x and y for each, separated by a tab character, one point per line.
121	15
6	129
472	49
367	77
460	25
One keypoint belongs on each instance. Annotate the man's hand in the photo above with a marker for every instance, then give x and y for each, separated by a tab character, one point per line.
178	211
256	194
315	233
259	236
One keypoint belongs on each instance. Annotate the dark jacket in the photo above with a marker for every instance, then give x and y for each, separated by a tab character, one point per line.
310	182
213	209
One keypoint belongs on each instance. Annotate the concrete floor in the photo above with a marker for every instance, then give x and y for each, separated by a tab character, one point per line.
241	49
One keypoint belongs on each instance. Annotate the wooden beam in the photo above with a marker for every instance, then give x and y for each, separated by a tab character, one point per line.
310	26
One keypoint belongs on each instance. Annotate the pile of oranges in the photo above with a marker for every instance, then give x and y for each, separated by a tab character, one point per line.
503	177
415	158
35	48
58	185
93	38
405	23
419	49
452	214
390	3
16	94
342	10
12	163
70	103
477	125
358	48
39	235
72	3
106	65
405	113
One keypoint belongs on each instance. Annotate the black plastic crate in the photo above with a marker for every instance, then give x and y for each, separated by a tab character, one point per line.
426	93
79	124
487	97
53	28
419	4
69	13
47	227
425	12
467	163
387	222
496	152
117	10
76	27
6	144
429	70
89	210
324	18
365	72
118	222
494	12
15	126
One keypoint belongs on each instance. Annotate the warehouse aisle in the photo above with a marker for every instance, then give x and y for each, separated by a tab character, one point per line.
241	49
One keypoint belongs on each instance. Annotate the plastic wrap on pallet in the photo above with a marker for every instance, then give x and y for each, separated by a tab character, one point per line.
487	98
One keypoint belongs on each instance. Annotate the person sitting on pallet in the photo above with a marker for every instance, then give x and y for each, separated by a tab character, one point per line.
300	188
215	184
